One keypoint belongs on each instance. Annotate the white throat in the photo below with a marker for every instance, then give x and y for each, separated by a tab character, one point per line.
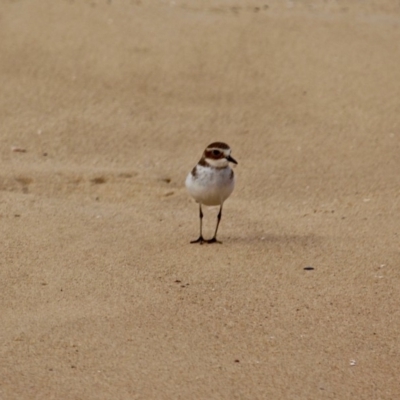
221	163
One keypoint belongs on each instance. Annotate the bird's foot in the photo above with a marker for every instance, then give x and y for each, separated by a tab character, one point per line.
199	240
213	240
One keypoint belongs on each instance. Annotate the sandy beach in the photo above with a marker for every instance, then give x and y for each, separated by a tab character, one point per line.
105	107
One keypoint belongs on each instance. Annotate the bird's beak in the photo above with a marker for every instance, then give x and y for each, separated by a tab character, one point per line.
231	159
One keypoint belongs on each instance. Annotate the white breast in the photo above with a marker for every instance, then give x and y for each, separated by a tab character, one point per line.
210	186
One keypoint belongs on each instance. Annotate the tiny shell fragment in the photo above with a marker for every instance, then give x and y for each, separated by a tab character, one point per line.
17	149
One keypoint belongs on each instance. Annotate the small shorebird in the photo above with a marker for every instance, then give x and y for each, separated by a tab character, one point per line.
211	182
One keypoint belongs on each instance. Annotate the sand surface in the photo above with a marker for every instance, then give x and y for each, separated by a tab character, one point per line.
105	106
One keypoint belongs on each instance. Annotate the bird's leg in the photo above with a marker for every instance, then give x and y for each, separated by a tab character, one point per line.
200	239
214	239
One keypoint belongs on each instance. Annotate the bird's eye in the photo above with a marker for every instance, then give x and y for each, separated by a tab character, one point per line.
216	152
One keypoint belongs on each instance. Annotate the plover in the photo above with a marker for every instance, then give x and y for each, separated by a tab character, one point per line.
211	182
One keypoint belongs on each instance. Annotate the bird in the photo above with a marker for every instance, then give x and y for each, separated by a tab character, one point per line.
211	182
